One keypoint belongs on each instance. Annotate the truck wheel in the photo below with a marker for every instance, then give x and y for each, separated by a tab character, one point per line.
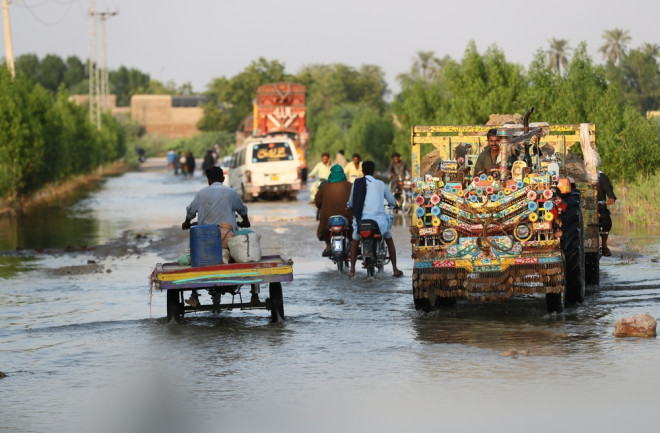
423	304
246	198
276	302
591	269
174	306
554	302
446	301
572	246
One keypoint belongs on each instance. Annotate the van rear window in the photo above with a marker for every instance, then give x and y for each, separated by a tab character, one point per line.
275	151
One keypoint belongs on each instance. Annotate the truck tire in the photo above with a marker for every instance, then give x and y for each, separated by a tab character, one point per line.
572	245
246	198
554	302
592	269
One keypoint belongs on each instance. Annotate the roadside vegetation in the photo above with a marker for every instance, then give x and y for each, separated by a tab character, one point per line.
351	108
44	138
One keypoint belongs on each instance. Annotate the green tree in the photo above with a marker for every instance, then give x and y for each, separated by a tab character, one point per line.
557	54
426	67
614	47
638	76
482	85
52	72
371	135
336	94
651	49
30	65
125	82
74	74
230	100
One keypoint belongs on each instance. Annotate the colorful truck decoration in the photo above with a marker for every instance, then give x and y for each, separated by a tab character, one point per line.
518	230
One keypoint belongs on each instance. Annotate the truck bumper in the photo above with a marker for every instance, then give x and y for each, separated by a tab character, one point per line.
491	281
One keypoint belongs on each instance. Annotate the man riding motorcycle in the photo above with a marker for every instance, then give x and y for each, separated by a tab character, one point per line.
367	200
331	199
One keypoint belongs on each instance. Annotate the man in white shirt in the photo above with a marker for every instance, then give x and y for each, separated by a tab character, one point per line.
321	171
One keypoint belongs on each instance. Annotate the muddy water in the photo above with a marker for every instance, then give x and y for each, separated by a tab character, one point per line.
85	351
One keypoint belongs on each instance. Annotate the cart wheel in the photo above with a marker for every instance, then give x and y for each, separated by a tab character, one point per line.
276	302
174	306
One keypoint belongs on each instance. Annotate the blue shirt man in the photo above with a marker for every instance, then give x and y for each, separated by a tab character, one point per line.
368	196
217	204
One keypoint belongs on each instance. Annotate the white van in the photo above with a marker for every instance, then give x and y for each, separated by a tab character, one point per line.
266	167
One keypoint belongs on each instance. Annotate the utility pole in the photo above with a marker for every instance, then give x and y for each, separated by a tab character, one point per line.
105	89
8	46
94	113
98	77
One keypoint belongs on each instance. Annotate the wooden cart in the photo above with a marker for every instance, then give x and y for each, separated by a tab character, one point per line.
225	279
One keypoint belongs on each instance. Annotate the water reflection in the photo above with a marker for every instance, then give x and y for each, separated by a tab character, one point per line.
49	226
102	212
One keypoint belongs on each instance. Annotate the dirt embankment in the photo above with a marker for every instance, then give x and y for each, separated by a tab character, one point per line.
55	191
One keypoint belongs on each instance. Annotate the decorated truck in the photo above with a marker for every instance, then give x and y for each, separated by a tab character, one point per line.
271	144
527	228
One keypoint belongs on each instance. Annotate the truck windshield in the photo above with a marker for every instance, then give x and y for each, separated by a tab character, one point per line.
273	151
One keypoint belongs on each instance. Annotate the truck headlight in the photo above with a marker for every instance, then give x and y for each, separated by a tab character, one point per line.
523	232
449	236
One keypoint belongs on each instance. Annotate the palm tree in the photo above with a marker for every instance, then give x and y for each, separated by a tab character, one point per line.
557	54
615	44
424	65
651	49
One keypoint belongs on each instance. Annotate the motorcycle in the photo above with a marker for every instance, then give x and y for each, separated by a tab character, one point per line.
340	241
373	249
402	191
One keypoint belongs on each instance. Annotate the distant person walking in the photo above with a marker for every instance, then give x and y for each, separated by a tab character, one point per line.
190	163
171	157
605	197
181	161
209	161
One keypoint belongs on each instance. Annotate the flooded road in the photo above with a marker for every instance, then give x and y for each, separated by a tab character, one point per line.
84	350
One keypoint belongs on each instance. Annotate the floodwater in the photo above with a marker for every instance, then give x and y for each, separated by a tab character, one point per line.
87	352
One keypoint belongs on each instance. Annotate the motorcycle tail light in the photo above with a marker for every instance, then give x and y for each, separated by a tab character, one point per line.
365	233
336	229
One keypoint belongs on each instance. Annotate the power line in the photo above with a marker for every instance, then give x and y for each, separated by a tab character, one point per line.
50	24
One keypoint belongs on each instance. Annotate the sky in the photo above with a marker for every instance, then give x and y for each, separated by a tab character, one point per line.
198	40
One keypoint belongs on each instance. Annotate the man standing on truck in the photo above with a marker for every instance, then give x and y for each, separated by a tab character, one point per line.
489	157
605	197
367	200
216	204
